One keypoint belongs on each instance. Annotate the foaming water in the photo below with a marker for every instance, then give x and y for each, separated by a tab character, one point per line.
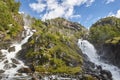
88	49
9	64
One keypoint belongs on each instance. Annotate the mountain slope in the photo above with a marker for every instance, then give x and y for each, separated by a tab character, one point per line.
10	21
105	35
53	48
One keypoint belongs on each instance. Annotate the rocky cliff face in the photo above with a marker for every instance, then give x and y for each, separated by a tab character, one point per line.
111	53
105	35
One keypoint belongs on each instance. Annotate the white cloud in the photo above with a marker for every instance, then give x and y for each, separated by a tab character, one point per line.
89	3
109	1
54	8
76	16
117	14
38	7
21	12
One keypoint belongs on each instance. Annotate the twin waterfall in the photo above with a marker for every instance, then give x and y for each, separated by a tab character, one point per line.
89	50
9	64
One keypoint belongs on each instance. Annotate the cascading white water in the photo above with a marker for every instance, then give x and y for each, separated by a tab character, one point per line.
88	49
9	68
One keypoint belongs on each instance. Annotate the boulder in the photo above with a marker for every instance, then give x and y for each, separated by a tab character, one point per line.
15	61
1	56
6	61
31	66
106	74
11	49
24	70
7	66
2	71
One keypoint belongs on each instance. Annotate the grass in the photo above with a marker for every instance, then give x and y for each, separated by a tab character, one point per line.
115	40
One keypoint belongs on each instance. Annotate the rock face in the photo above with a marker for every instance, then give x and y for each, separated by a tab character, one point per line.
95	71
105	35
111	53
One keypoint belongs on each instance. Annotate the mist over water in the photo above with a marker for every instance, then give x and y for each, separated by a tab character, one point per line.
88	49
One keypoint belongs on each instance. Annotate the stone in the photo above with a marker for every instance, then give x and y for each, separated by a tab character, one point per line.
2	71
7	66
5	61
15	61
11	49
31	66
14	66
24	70
106	74
1	55
99	67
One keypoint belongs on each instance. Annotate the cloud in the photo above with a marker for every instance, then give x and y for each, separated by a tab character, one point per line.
58	8
76	16
109	1
89	3
117	14
21	12
38	7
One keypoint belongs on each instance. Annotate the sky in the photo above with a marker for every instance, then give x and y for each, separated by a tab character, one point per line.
85	12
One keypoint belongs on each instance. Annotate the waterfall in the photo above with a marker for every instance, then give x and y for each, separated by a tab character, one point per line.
88	49
8	67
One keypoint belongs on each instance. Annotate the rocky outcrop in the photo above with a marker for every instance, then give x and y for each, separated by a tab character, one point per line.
105	35
95	70
110	53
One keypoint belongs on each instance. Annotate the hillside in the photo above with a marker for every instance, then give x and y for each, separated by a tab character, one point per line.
10	21
105	35
53	48
46	48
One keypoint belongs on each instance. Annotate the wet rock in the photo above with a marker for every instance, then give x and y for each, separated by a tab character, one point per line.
31	66
18	74
36	76
110	52
11	49
99	67
106	74
24	70
7	66
2	71
1	55
5	61
15	61
14	66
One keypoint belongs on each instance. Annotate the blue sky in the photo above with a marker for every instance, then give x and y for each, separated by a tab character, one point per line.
85	12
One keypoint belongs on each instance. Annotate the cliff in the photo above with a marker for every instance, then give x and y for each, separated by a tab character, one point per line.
105	35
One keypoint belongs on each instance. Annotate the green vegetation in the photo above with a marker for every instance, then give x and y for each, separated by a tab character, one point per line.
53	47
89	77
114	40
104	30
9	27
